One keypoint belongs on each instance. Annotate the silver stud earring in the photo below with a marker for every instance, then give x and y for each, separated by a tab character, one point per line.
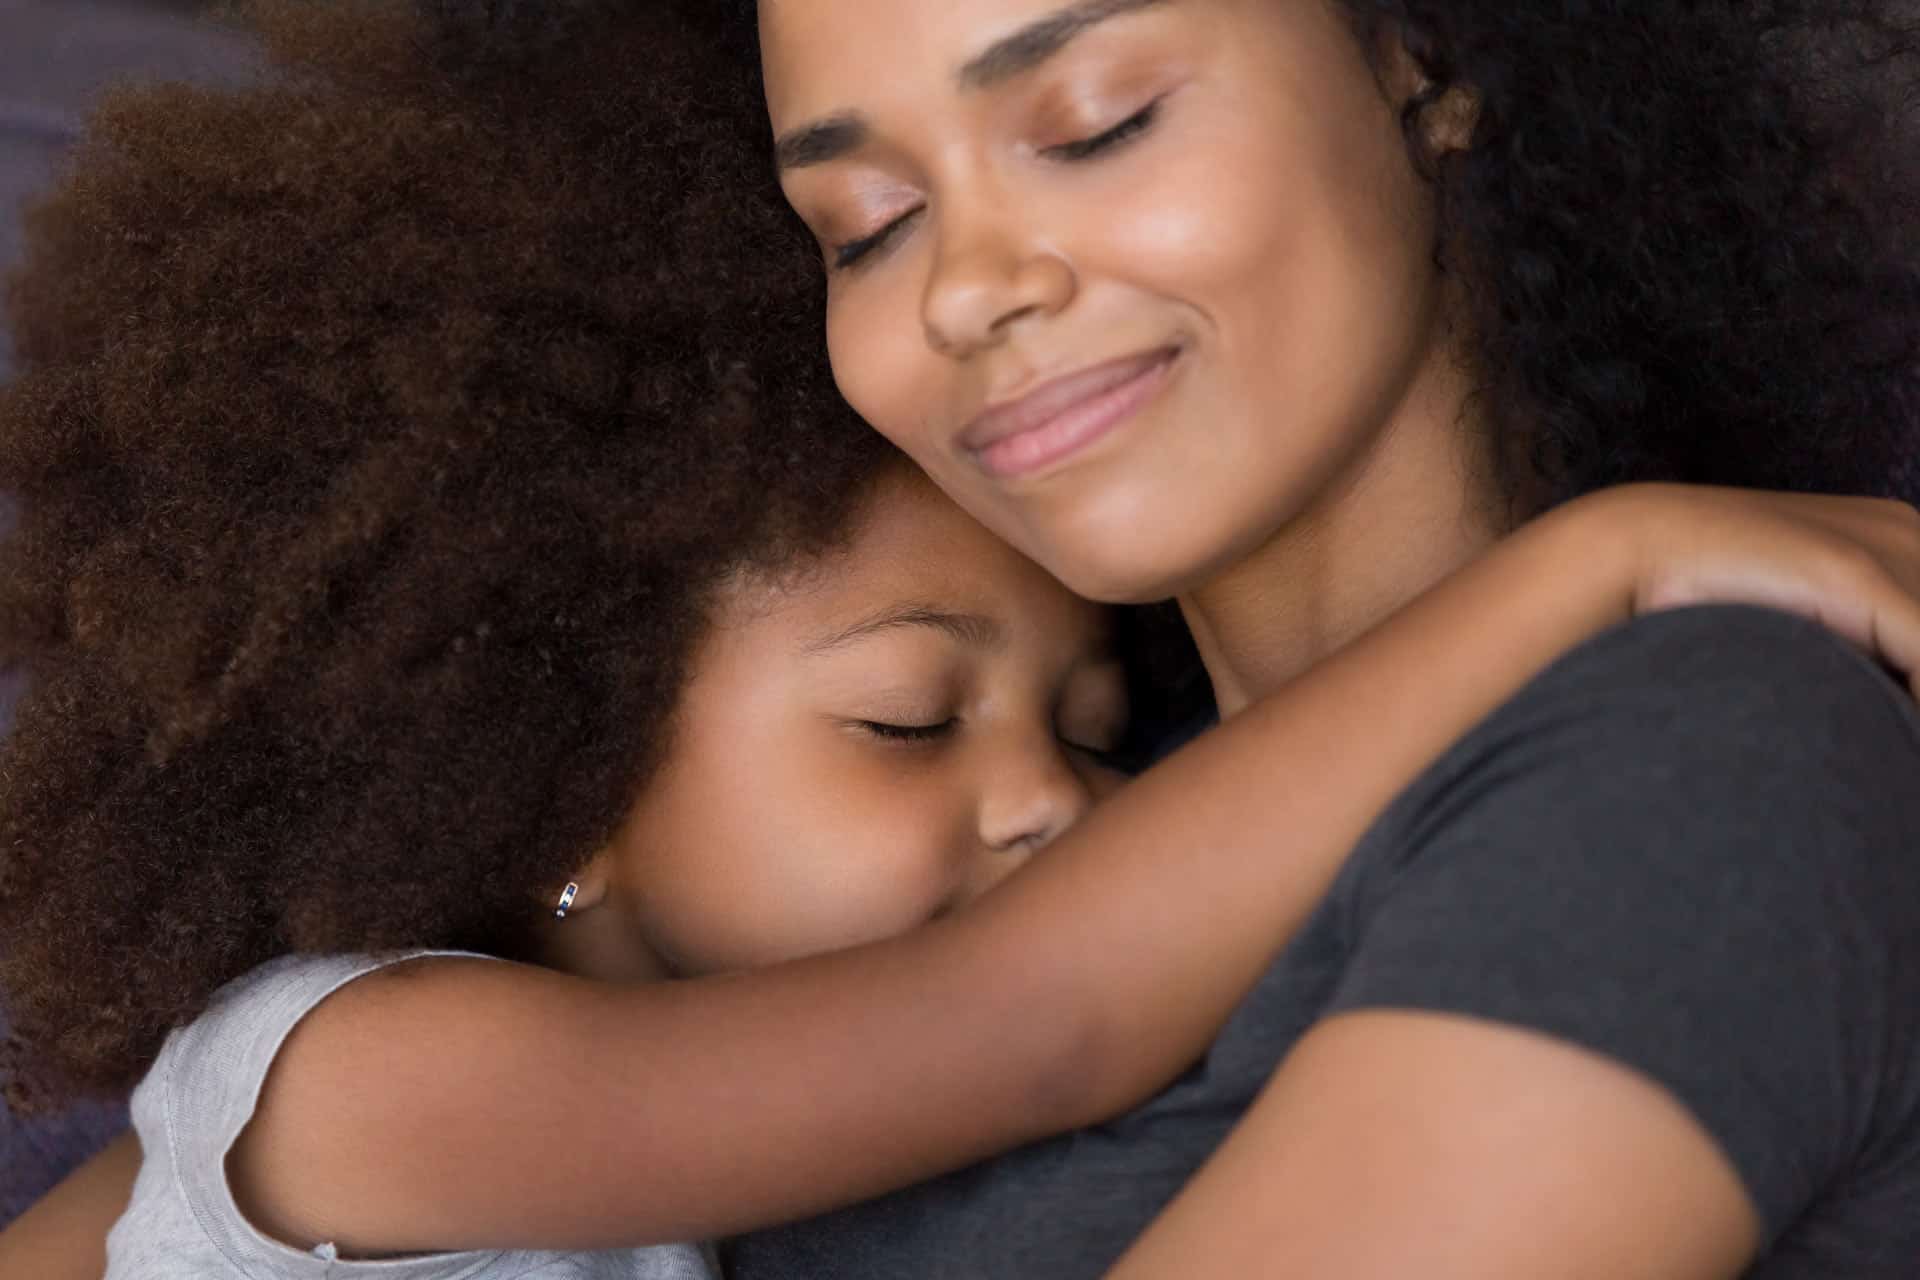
566	901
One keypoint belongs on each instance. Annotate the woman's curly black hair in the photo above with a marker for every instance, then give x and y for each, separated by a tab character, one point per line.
383	431
1687	233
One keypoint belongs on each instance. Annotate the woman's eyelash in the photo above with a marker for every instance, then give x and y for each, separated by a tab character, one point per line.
909	732
848	254
1134	125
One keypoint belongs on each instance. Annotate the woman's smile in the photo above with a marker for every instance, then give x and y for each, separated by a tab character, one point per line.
1060	418
1071	202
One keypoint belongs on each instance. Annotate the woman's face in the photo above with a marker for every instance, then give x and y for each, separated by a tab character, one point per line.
1137	282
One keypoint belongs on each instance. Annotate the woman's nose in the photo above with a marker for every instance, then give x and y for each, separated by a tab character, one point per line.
989	272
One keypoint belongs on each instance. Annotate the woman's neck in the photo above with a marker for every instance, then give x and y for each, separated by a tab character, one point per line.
1412	508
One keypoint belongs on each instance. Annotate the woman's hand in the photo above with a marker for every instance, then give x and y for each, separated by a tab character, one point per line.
1852	564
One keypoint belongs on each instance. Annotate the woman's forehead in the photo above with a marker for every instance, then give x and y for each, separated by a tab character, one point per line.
819	52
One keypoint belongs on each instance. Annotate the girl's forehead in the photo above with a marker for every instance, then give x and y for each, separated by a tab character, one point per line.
913	558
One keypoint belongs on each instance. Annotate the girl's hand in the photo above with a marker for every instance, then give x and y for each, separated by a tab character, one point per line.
1851	564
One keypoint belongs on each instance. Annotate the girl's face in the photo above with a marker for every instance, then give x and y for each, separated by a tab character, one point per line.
870	746
1138	282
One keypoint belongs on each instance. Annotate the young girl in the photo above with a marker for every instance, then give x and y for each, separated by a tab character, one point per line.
454	610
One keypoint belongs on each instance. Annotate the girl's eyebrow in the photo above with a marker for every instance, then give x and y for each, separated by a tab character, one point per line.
842	133
975	630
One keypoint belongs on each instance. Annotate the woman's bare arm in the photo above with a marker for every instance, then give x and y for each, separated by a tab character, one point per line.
64	1236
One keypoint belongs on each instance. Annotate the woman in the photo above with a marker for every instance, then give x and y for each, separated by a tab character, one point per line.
976	1256
1288	308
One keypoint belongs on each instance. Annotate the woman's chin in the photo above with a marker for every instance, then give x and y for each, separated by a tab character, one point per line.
1138	565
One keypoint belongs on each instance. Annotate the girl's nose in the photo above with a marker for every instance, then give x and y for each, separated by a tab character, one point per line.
1029	802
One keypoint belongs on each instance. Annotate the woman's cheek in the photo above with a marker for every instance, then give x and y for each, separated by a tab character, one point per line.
865	361
888	373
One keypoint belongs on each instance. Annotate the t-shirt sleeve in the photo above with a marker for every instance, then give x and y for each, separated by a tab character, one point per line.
1692	847
203	1090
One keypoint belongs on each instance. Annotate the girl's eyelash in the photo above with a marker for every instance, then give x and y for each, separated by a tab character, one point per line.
1106	757
1132	127
909	732
851	253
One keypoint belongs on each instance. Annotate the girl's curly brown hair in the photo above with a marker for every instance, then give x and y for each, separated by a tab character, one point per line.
383	431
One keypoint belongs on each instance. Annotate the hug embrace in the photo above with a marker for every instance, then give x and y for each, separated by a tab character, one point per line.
1153	638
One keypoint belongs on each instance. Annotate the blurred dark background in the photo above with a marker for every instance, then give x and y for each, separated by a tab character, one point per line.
55	57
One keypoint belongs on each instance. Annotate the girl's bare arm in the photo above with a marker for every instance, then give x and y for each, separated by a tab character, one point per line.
476	1104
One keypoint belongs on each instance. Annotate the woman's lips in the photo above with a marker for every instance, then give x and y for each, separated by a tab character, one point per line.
1061	417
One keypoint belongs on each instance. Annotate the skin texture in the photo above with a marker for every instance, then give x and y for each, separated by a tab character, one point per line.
1302	467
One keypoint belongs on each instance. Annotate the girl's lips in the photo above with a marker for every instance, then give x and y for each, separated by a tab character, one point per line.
1065	415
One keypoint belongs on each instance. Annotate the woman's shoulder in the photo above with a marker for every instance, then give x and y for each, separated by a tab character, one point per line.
1744	717
1714	742
1760	669
1692	846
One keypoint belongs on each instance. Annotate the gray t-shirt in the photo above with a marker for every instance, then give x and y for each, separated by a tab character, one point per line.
183	1224
1692	846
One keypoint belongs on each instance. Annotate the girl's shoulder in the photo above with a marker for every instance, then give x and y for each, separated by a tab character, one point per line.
194	1103
185	1218
209	1074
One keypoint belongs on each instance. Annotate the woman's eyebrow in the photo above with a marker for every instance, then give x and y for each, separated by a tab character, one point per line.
976	631
828	139
1033	44
821	142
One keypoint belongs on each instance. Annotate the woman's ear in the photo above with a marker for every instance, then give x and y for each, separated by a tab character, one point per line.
1448	115
1450	120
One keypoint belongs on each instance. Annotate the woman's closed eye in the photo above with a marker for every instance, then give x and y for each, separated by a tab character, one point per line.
1126	131
852	252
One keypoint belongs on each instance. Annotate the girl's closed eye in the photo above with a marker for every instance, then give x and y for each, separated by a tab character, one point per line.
909	733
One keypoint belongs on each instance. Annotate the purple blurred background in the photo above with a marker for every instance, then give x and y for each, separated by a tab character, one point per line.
55	55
